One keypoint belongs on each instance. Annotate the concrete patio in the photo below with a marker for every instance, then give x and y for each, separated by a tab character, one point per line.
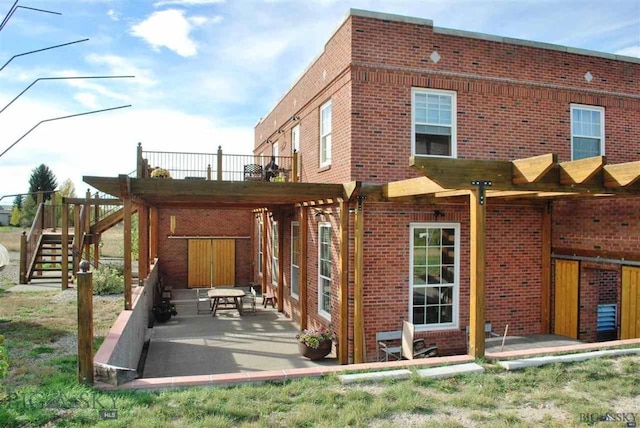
199	344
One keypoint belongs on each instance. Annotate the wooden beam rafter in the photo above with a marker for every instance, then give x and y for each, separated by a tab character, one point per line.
531	170
411	187
622	174
580	171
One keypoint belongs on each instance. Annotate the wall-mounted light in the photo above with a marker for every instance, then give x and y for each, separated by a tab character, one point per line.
322	213
294	118
438	213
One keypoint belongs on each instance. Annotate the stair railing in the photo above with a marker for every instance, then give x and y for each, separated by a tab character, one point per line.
33	241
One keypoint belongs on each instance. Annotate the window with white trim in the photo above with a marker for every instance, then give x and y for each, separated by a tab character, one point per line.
295	144
325	134
324	269
433	122
587	131
435	275
276	150
260	249
274	253
295	258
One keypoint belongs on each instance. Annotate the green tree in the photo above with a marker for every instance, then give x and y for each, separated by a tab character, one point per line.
67	189
28	211
42	179
17	201
16	214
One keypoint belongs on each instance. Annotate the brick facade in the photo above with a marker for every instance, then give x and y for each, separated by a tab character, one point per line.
173	246
513	101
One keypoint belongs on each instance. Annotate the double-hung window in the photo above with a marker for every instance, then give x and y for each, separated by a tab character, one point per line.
435	275
325	134
295	258
274	253
324	269
587	131
433	122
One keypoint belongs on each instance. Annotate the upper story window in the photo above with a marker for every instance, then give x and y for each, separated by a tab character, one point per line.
587	131
433	122
295	144
325	134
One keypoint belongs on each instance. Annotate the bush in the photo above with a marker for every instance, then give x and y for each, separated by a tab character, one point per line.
107	280
4	358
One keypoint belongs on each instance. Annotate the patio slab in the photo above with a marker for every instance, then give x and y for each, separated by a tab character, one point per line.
192	344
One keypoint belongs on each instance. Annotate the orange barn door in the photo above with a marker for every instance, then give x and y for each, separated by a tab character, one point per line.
224	262
566	298
199	256
630	303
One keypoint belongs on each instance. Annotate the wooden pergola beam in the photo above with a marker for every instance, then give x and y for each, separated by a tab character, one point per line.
622	174
457	174
531	170
477	259
410	187
580	171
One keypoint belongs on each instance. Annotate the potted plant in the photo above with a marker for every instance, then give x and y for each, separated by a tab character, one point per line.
315	344
162	312
160	173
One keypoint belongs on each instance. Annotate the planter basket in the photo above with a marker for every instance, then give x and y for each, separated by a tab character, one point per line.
316	354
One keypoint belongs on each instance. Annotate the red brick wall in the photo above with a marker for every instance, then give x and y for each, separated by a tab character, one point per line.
173	253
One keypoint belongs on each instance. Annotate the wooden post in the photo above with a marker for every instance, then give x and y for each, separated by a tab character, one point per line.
140	163
23	258
85	328
153	233
143	242
304	233
294	167
280	261
64	263
264	252
219	163
77	232
96	238
545	288
343	296
477	273
87	227
127	253
358	292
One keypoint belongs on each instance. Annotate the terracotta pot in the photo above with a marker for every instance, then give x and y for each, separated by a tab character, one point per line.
316	354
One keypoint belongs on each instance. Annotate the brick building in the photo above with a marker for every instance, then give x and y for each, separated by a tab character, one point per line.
393	100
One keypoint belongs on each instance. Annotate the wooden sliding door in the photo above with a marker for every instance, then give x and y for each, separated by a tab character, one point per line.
211	262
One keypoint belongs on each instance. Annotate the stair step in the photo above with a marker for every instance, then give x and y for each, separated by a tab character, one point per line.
46	269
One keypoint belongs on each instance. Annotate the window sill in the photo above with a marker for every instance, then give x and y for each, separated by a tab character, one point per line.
434	329
324	168
325	315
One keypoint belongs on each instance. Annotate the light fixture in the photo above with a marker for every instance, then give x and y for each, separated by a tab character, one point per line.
294	118
438	213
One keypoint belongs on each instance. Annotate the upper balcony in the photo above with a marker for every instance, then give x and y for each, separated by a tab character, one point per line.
218	166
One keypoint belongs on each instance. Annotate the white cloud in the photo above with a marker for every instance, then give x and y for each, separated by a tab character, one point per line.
630	51
168	28
120	66
186	2
87	99
113	15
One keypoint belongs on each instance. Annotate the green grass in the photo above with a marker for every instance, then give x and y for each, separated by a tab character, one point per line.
40	374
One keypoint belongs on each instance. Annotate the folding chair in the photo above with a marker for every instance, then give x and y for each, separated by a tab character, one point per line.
250	299
201	298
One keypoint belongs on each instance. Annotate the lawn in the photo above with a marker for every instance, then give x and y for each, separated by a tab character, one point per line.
41	388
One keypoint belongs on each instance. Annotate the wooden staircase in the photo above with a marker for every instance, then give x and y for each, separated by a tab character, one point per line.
48	259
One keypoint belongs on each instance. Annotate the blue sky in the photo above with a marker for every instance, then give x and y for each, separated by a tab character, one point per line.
208	70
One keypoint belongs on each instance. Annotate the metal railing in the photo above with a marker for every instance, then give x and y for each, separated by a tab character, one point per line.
216	166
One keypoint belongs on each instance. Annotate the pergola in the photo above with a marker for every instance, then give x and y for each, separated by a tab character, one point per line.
536	179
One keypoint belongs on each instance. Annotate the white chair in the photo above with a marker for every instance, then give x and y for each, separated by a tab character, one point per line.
201	298
250	300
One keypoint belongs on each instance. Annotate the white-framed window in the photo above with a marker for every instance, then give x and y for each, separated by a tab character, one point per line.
276	150
260	249
295	259
434	275
274	253
433	123
263	160
295	144
325	134
324	269
587	131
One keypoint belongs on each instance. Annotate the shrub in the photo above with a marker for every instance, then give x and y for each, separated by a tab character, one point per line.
107	280
4	359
